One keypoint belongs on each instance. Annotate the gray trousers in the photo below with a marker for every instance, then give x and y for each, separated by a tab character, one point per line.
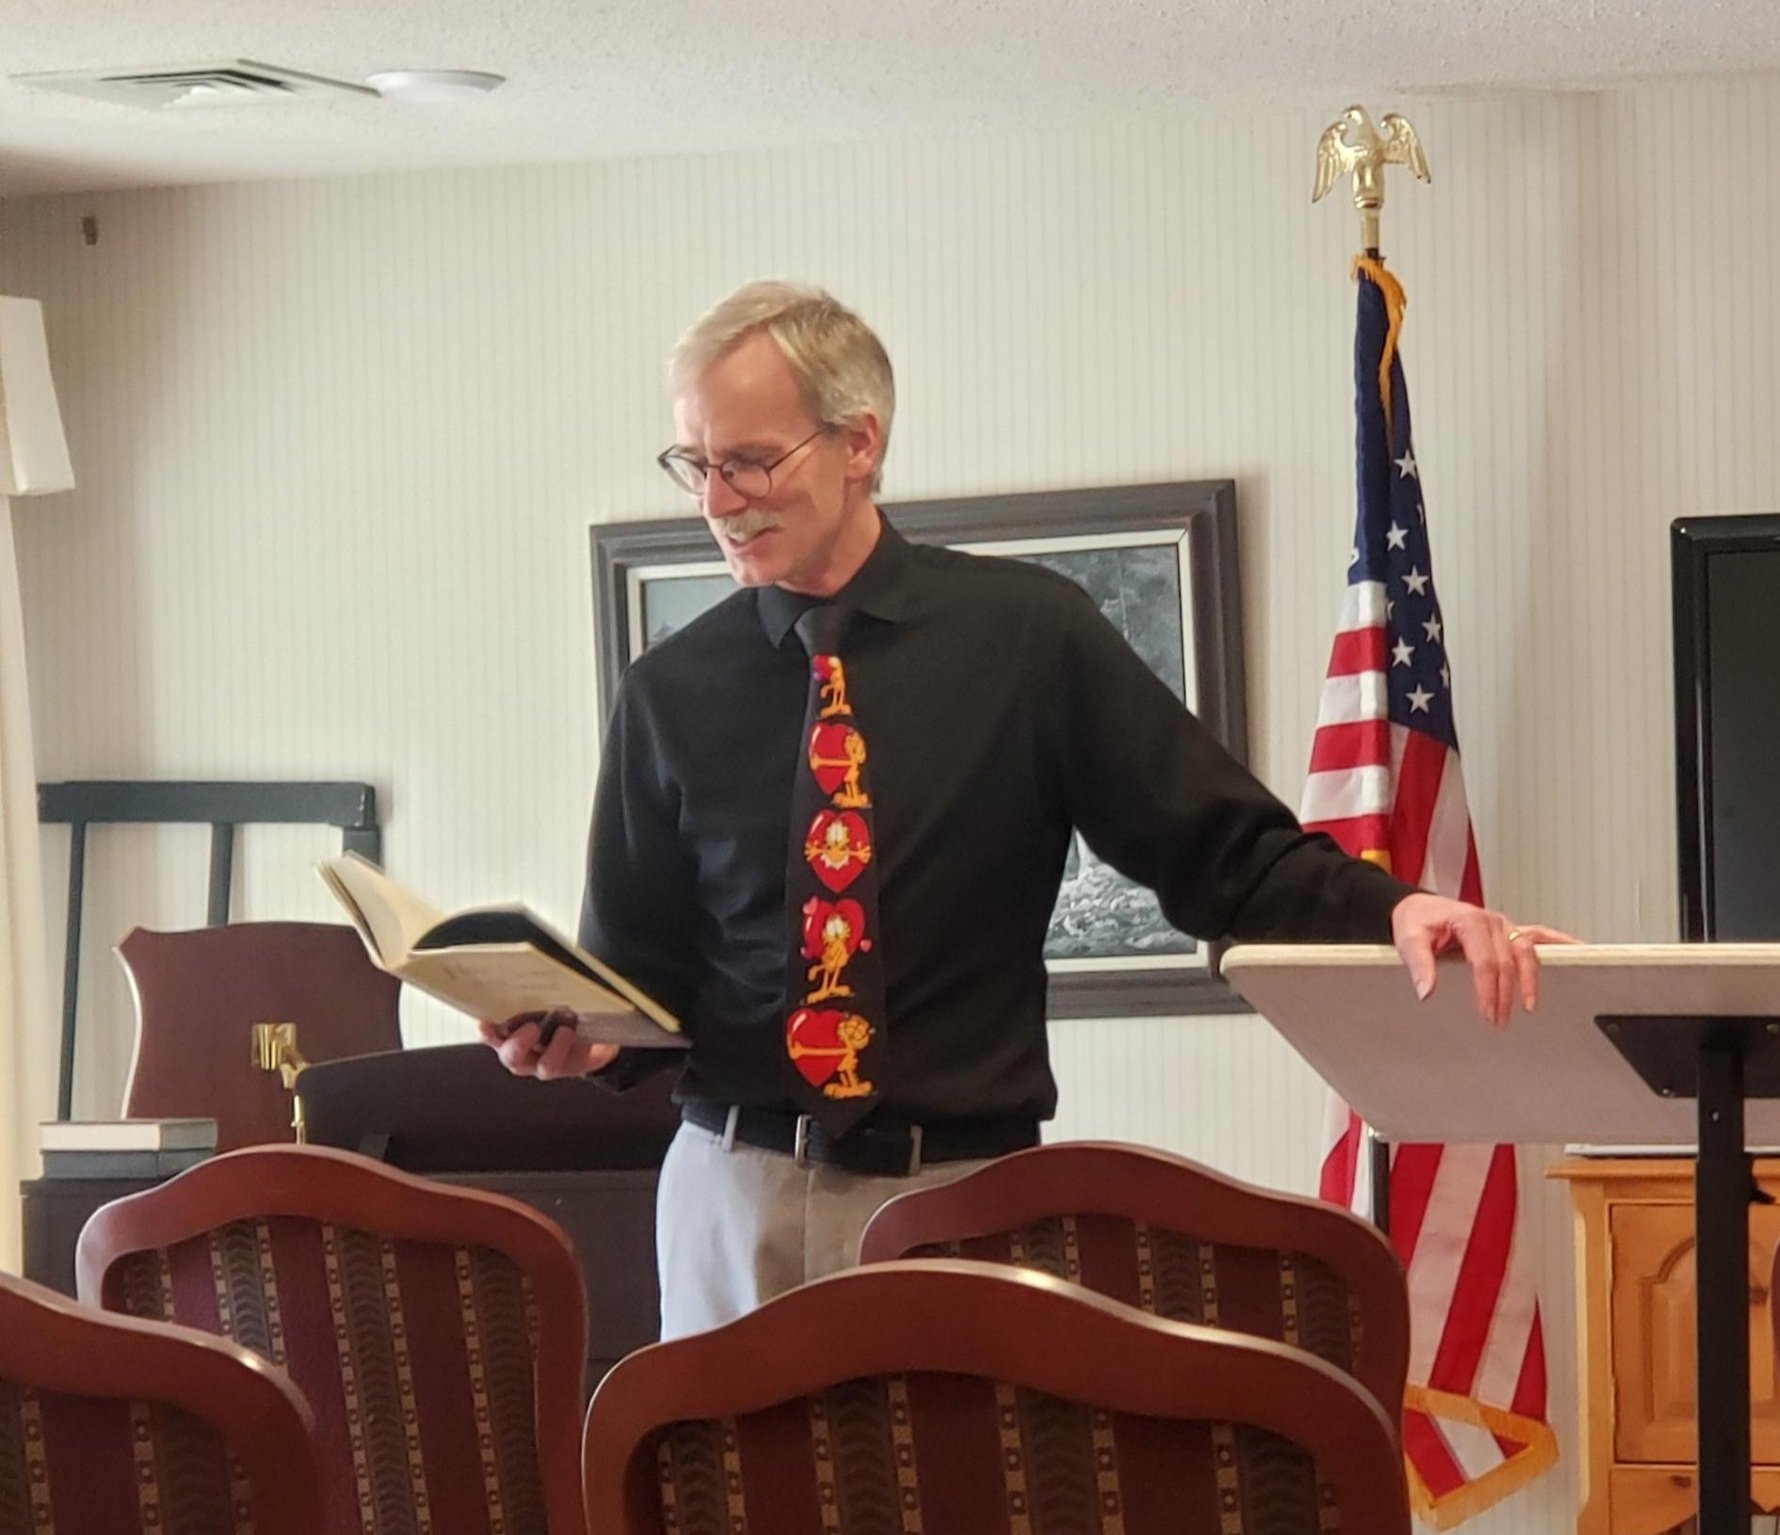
735	1228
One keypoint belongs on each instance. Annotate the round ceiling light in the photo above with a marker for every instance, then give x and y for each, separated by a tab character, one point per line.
433	85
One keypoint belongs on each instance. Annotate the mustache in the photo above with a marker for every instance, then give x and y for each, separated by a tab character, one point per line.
744	524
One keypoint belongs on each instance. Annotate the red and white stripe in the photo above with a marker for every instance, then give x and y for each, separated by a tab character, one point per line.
1477	1396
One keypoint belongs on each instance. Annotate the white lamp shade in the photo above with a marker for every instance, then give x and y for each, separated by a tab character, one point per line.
33	451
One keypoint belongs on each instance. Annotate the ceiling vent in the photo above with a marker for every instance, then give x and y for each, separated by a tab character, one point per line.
234	82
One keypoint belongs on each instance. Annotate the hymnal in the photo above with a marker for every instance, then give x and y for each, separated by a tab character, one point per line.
142	1135
493	962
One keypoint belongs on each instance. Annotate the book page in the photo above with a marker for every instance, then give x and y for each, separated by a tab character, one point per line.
389	918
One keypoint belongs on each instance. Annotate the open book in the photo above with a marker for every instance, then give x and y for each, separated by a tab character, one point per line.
492	962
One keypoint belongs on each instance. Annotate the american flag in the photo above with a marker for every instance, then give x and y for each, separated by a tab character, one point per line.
1385	783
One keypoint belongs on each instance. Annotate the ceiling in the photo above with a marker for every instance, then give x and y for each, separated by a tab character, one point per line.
590	79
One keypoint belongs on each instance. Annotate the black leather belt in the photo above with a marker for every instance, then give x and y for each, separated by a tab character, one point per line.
886	1148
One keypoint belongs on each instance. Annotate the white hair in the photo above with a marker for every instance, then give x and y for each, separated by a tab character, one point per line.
841	368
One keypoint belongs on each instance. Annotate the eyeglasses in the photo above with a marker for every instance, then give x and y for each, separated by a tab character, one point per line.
745	476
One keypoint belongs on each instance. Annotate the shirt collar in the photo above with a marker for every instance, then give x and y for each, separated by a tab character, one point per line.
879	587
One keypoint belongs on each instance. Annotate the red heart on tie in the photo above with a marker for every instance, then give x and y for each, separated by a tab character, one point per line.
812	1037
837	920
837	846
835	750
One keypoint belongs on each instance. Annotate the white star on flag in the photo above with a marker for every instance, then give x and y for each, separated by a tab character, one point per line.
1407	465
1396	537
1416	581
1431	628
1402	651
1419	700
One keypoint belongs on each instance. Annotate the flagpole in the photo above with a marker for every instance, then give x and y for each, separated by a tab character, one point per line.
1351	145
1378	1168
1385	777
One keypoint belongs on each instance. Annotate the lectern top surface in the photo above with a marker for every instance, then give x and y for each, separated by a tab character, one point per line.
1435	1071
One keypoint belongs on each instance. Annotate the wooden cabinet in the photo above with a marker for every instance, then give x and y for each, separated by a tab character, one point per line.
1635	1334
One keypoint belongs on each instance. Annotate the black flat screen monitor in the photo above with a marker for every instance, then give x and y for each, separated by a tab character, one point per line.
1726	579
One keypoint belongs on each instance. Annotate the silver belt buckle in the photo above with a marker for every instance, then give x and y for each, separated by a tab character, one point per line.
800	1142
914	1150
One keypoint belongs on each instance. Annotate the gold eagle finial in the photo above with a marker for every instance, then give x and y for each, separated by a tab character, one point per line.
1351	144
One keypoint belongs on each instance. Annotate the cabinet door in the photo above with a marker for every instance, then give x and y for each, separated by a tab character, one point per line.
1654	1398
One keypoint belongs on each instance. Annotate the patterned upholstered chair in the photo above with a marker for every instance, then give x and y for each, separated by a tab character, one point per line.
1174	1238
111	1427
437	1333
960	1398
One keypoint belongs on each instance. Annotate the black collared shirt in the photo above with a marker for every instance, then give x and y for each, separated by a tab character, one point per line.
1001	710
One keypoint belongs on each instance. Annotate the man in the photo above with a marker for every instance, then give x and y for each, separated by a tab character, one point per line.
997	714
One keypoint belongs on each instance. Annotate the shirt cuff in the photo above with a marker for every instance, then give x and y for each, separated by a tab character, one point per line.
1372	900
629	1067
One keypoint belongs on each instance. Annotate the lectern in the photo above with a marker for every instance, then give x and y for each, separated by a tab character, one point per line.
1651	1045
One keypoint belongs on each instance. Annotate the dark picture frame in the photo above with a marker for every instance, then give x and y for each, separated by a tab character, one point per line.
1161	559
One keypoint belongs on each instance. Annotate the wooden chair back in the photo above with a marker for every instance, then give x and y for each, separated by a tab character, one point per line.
1171	1237
962	1398
438	1333
199	993
110	1426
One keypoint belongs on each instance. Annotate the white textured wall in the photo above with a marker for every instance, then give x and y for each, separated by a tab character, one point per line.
339	443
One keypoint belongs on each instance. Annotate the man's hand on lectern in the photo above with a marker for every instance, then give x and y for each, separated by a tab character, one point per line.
545	1046
1499	952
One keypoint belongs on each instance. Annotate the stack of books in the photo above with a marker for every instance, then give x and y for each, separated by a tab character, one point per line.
124	1148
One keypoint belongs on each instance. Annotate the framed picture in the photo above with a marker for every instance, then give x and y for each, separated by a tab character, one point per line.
1160	560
